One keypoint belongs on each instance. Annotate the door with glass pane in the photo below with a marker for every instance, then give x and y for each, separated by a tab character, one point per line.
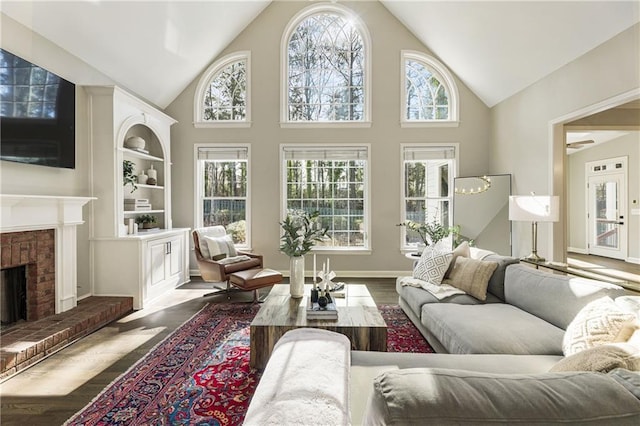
607	218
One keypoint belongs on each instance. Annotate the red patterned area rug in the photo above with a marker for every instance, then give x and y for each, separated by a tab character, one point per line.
402	335
200	374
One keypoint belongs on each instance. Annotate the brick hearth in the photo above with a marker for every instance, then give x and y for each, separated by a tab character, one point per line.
30	341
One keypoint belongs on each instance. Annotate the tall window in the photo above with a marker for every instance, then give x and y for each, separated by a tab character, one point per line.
326	61
427	180
222	95
223	189
333	180
430	95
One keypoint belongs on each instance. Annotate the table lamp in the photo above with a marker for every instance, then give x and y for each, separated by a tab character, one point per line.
534	209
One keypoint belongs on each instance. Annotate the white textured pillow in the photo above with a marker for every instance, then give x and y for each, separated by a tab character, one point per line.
220	247
599	322
432	266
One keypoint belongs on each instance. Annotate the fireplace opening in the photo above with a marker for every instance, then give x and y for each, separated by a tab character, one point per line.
13	295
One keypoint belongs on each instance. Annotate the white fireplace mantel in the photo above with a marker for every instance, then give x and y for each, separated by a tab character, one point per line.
21	213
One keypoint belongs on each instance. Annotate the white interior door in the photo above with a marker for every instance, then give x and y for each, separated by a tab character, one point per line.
607	214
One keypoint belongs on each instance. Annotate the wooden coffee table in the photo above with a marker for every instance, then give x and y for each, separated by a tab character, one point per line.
358	319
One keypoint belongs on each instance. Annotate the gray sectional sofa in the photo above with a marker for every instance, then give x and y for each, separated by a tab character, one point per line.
492	364
526	311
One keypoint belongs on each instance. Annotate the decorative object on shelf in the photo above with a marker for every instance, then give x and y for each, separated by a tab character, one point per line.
534	208
152	173
135	142
142	178
483	184
137	204
301	232
146	220
128	176
151	181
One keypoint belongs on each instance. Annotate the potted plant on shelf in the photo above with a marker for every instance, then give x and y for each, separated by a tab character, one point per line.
128	175
301	231
147	221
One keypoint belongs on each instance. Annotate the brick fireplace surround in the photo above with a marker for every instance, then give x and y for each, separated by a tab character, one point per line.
39	231
36	250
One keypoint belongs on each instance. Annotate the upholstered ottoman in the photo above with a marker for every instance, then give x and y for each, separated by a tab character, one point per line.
254	279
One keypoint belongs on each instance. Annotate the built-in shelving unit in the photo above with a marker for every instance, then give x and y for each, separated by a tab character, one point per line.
147	263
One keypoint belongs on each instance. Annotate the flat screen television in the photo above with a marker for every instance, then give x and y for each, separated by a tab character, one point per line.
37	114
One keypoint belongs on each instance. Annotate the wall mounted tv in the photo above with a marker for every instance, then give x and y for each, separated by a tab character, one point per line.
37	114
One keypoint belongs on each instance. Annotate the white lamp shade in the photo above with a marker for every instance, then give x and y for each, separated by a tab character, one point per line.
534	208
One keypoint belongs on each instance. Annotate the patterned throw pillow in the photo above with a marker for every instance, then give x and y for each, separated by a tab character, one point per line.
432	266
220	247
599	322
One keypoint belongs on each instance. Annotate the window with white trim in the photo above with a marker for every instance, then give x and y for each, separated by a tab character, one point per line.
427	182
430	95
223	189
333	180
222	94
325	67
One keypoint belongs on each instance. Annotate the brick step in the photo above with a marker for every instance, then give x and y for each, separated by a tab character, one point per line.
27	343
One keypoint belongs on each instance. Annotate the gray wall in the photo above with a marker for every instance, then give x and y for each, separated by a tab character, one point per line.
521	140
628	145
262	37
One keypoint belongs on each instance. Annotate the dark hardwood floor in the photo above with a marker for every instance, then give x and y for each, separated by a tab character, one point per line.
51	391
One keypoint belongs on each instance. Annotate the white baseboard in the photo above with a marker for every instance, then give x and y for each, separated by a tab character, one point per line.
577	250
635	260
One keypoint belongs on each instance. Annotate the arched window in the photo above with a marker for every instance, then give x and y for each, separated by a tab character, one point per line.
222	95
430	95
325	62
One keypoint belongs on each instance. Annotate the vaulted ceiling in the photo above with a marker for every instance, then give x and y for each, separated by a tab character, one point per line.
156	48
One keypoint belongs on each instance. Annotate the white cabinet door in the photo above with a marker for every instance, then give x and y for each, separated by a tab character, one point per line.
176	257
157	251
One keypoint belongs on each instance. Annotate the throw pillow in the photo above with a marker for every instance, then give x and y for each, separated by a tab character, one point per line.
603	359
432	266
597	323
472	276
461	250
220	247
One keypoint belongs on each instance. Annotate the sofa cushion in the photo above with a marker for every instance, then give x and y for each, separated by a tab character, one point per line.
415	297
597	323
630	380
471	276
603	358
554	298
432	265
446	397
496	282
493	328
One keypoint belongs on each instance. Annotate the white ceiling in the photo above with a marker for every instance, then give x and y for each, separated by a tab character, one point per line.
156	48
